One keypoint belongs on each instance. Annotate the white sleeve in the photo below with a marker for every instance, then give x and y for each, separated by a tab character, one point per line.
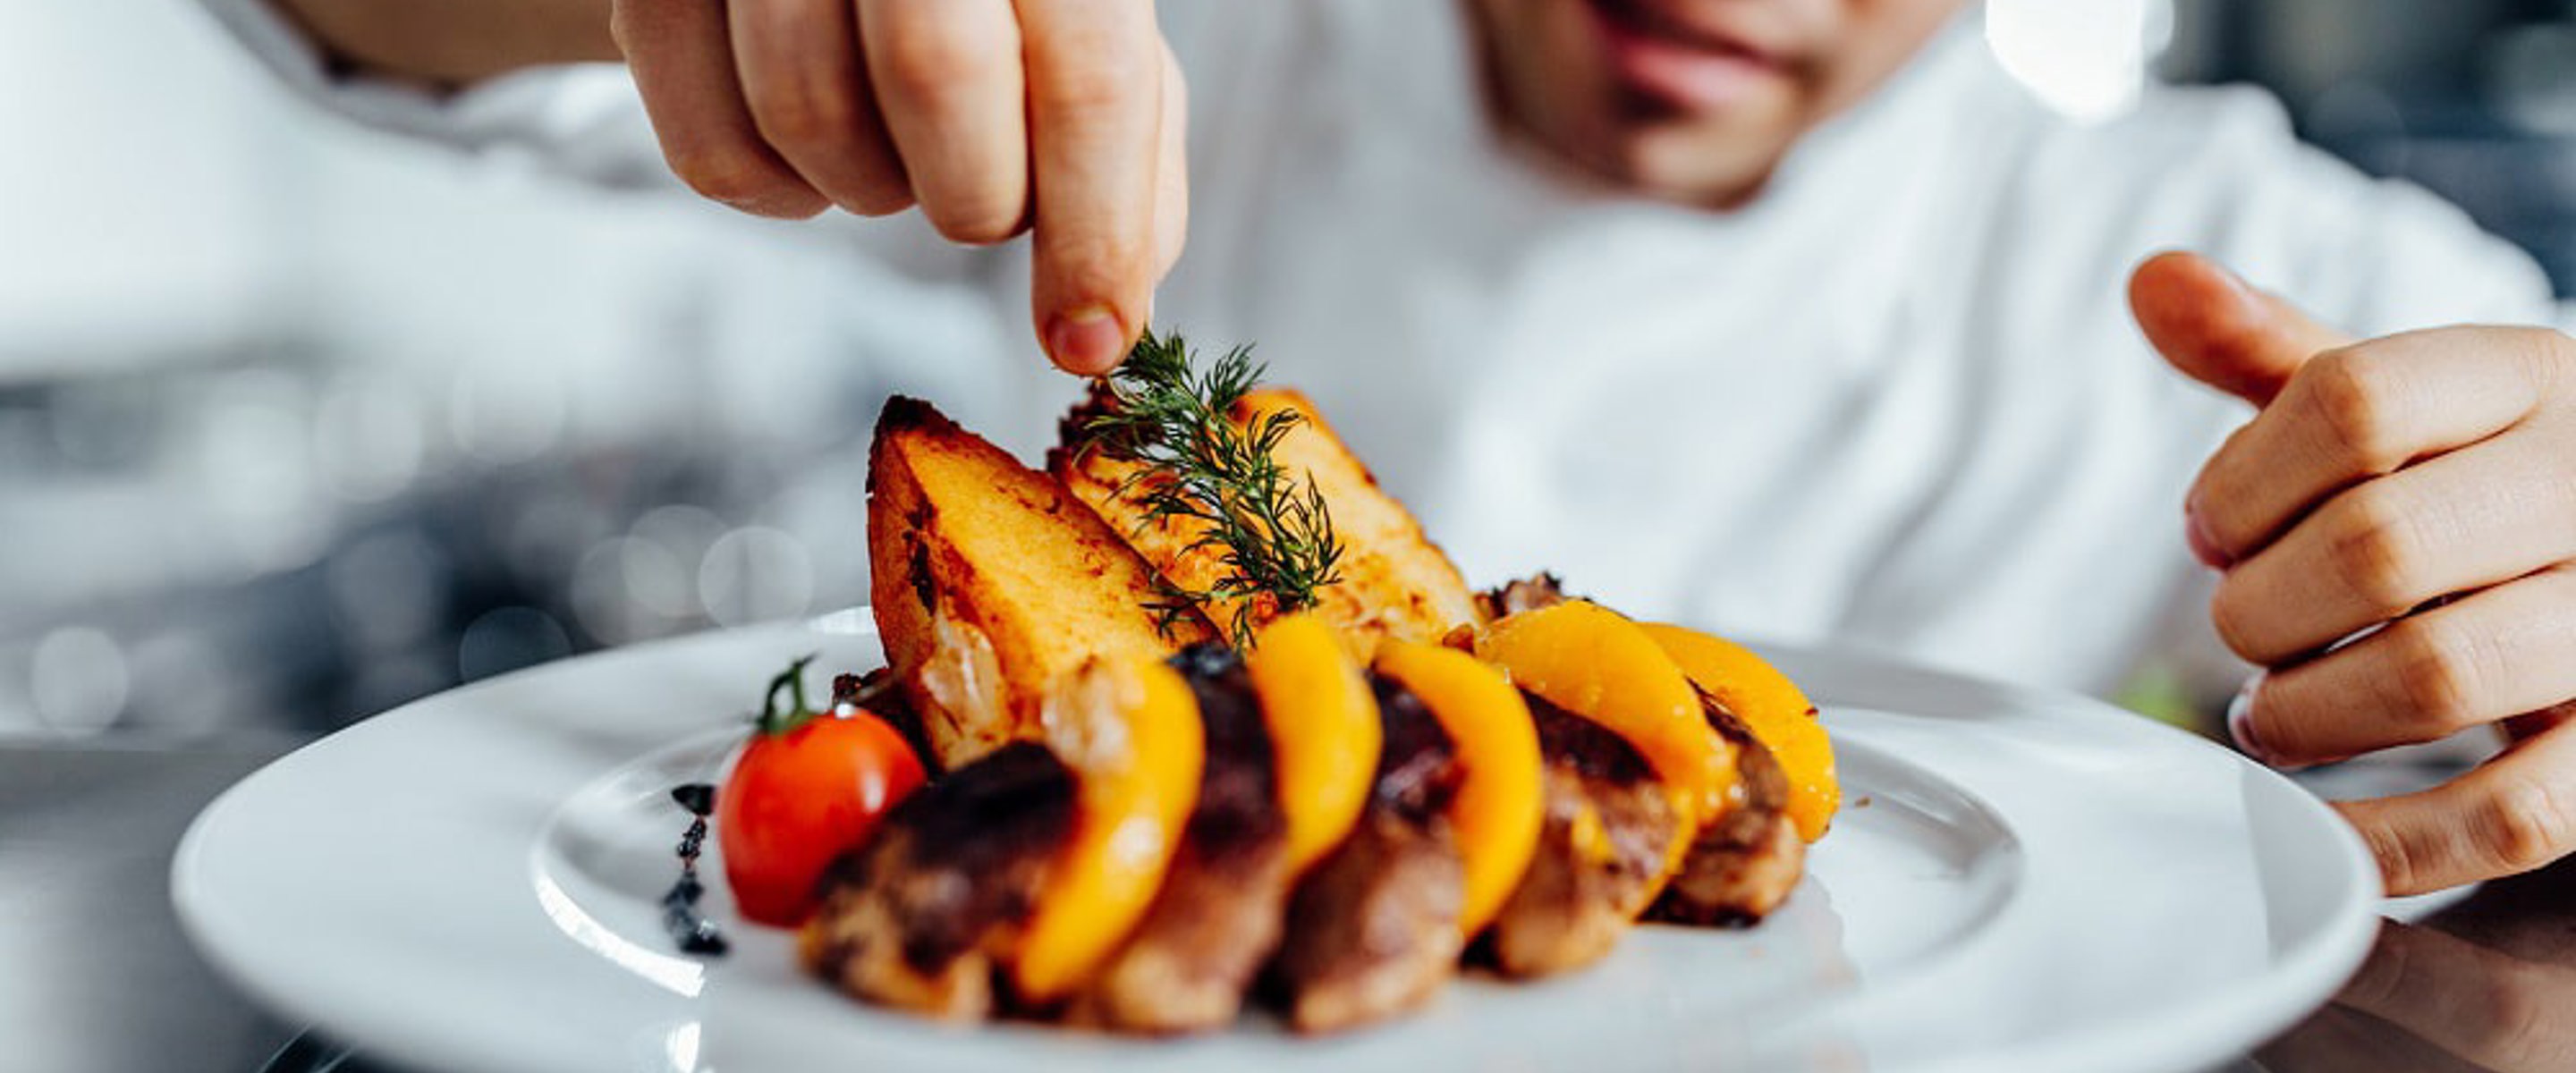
2371	256
582	120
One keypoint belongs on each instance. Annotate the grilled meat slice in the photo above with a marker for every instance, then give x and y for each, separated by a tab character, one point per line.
1744	864
882	696
920	917
1373	930
1219	913
1527	594
1602	850
1737	869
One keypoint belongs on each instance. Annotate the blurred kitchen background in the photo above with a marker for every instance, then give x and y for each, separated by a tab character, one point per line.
298	422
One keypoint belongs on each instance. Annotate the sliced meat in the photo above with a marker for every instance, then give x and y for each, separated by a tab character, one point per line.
1741	867
882	696
1219	913
1373	929
1527	594
1736	870
1602	850
920	917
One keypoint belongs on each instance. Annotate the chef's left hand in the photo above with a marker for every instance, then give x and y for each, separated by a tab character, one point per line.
2419	489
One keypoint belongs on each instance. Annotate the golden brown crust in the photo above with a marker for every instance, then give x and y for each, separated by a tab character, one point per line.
990	582
1395	583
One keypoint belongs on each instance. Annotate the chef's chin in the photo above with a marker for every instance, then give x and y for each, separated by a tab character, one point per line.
1715	157
1692	101
1712	157
1701	126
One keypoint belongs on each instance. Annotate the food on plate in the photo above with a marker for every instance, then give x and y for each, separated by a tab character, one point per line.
1132	734
1588	660
1373	930
1216	723
806	787
1605	849
1771	708
1495	815
1216	918
1745	866
928	914
1741	863
1032	862
1324	733
990	583
689	928
1389	581
1634	772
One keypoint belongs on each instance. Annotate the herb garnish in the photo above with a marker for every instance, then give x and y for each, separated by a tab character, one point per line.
1196	465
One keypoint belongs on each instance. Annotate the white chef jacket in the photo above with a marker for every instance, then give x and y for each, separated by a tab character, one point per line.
1896	403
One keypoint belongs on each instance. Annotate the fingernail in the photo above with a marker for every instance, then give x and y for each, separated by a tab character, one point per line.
2204	545
1086	339
2240	726
2240	720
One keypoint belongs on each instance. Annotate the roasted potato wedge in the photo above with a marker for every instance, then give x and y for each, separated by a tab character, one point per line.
990	583
1395	582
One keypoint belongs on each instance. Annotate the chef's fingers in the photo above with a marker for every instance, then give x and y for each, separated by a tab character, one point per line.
2512	814
2367	410
682	62
2462	521
948	77
2221	331
1172	169
798	61
1096	112
2533	724
2500	1012
2482	659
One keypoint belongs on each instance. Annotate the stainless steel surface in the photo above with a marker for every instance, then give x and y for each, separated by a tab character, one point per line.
95	976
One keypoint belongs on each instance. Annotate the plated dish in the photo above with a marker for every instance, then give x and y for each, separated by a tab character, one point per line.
1195	735
2037	881
1212	724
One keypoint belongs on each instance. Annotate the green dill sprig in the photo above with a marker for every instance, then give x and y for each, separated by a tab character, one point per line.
1272	534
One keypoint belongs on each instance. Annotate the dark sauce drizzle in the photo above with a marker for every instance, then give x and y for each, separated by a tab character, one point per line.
694	933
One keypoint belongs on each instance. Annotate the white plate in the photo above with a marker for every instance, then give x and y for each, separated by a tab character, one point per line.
2021	880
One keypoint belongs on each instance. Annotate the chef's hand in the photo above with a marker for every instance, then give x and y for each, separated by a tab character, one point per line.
2421	487
1061	117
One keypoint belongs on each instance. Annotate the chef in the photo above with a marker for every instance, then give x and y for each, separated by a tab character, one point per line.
1798	318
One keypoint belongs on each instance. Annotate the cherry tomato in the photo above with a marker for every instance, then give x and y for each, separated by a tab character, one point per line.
806	788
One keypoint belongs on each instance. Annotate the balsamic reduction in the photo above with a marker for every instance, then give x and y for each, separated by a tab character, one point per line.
694	933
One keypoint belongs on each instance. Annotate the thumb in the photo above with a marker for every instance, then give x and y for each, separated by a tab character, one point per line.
2219	330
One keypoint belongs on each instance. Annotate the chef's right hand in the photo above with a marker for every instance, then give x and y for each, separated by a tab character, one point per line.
1060	117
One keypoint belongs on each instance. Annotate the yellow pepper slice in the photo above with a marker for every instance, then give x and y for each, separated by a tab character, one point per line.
1130	731
1498	811
1773	708
1594	662
1324	733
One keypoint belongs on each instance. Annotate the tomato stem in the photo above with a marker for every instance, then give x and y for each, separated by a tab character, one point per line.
773	721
